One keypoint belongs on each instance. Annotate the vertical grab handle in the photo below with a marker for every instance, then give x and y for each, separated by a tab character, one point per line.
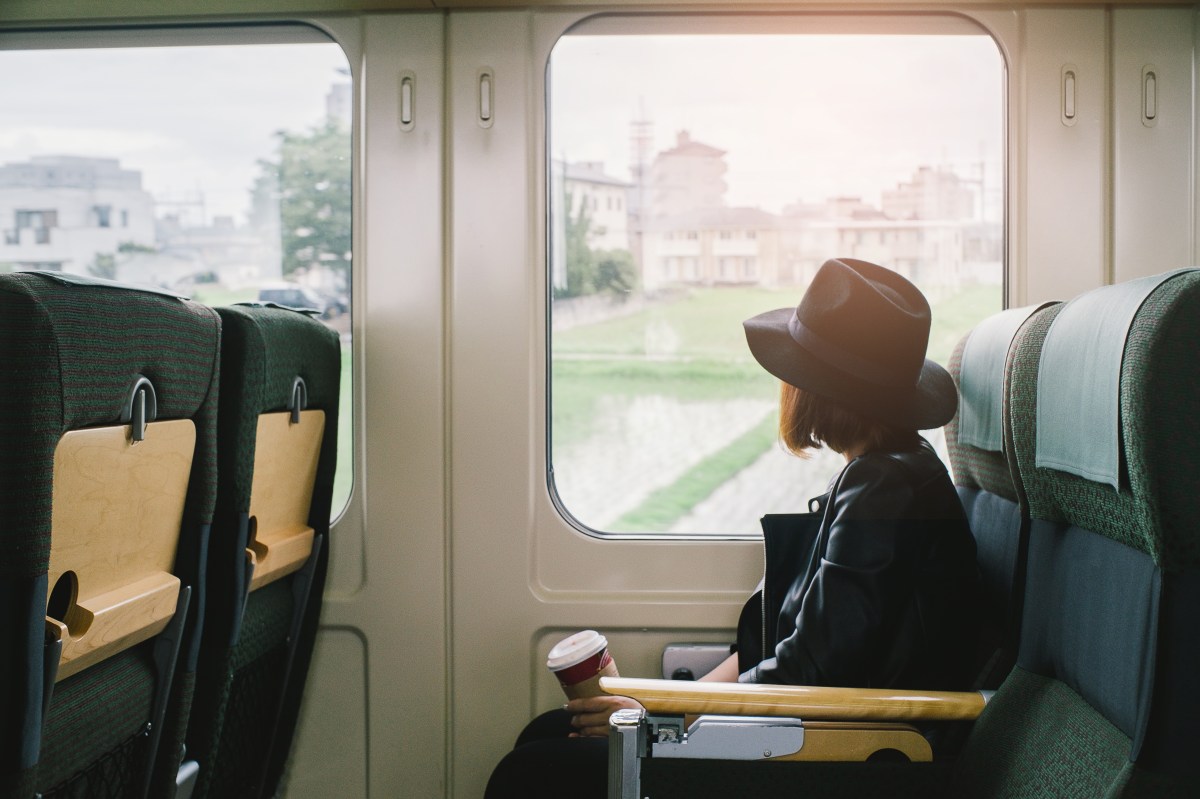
487	97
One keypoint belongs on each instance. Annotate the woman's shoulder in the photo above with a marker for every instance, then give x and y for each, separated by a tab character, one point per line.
913	483
914	466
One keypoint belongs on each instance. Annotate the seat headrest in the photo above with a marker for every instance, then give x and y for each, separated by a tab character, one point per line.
975	437
1155	503
1079	376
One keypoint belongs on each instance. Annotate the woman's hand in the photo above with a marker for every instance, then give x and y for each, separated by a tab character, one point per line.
589	715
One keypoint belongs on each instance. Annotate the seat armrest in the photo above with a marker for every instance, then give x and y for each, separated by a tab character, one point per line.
807	702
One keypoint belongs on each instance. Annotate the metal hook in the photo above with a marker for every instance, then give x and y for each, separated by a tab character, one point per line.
299	400
141	408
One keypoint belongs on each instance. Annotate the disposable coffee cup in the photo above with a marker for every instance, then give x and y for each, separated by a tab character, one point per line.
579	661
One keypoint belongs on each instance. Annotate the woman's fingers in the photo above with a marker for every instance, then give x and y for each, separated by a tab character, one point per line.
590	714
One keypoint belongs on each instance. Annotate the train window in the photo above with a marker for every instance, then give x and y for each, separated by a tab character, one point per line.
215	163
697	177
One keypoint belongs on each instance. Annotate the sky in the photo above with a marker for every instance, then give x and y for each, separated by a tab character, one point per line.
189	118
801	116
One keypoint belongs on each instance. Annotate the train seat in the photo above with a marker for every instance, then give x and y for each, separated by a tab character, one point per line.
107	432
978	439
828	744
1101	700
281	374
1104	411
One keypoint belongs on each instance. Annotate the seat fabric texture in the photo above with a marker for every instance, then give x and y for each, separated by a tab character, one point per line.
1041	739
991	497
87	716
1112	595
69	355
251	676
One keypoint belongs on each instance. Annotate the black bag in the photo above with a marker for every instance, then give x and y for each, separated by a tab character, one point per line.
791	544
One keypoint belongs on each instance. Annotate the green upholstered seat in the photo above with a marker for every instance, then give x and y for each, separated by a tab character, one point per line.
257	645
973	467
1103	700
69	354
988	485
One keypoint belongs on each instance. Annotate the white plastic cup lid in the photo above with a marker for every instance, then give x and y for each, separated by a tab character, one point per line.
575	648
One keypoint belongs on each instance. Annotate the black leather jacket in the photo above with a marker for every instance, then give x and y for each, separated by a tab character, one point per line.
886	595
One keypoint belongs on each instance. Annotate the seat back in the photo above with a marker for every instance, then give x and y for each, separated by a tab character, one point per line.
107	413
278	448
985	475
1112	583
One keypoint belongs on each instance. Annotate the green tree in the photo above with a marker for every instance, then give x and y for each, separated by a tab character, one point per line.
616	272
592	271
580	262
310	186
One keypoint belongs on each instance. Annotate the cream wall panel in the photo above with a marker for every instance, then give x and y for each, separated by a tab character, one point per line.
520	574
491	304
394	619
335	708
518	567
1152	161
1064	182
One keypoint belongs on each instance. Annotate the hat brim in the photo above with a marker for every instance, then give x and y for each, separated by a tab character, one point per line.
929	404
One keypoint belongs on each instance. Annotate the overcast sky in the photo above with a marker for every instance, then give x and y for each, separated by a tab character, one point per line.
189	118
800	116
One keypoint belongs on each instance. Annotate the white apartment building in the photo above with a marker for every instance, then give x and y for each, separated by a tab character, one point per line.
712	247
607	202
59	212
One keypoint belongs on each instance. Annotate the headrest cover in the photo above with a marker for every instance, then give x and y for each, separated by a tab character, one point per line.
1079	378
88	281
981	378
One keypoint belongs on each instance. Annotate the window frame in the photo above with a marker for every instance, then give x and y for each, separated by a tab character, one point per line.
106	36
625	23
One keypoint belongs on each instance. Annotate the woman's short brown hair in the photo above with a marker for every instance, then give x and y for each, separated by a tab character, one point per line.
809	421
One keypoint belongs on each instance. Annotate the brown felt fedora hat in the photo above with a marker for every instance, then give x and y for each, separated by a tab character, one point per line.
858	338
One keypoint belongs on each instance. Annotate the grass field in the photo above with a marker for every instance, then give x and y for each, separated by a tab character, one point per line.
692	350
215	294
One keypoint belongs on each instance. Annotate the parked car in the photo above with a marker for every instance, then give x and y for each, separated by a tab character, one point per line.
292	295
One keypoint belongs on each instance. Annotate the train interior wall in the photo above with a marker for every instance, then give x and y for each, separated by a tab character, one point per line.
452	571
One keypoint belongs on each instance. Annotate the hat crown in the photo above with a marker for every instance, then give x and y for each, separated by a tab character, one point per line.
858	338
860	317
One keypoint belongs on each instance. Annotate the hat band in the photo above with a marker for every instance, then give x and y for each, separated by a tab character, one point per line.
844	360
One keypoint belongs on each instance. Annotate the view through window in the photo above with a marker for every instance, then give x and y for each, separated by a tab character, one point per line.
219	171
697	180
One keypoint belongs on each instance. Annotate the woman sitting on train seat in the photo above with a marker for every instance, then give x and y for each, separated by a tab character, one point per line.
885	596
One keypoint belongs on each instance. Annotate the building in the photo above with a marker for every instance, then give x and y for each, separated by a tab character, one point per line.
60	212
924	251
602	198
687	177
712	247
339	105
933	193
231	254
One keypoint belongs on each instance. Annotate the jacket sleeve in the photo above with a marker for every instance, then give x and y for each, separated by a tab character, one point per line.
861	588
